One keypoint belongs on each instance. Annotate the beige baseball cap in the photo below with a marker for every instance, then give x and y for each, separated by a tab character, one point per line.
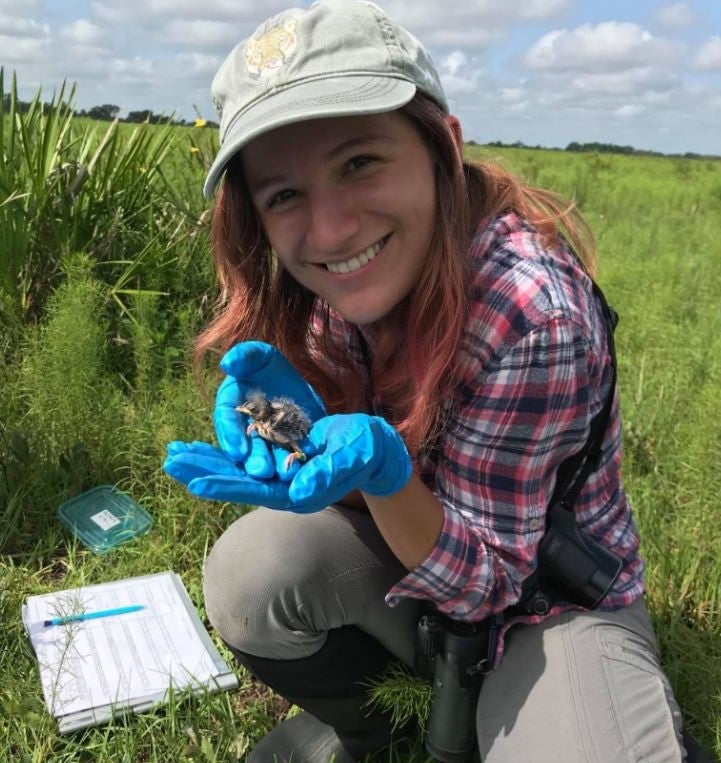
336	58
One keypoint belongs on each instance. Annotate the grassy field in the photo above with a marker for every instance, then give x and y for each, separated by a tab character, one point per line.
105	280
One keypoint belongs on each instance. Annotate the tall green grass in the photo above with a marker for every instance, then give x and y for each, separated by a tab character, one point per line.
105	282
657	223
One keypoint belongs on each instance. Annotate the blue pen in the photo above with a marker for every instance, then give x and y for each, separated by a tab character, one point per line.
93	615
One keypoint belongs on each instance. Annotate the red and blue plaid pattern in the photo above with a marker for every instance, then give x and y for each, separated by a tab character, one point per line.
534	371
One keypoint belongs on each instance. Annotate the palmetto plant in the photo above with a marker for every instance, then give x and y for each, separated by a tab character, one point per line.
67	185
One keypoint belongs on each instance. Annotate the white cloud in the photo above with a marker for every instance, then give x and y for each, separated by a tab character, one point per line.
636	80
200	34
469	24
453	62
464	37
17	7
512	94
13	26
539	9
132	10
657	98
608	45
82	32
25	50
457	73
677	16
629	110
131	70
521	107
198	63
191	7
483	11
709	56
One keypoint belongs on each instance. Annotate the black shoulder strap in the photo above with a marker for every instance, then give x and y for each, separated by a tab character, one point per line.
574	471
582	563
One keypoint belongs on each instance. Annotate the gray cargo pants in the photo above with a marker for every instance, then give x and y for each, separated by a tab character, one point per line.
581	687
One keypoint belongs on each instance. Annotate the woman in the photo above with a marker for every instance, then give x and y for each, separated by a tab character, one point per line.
437	322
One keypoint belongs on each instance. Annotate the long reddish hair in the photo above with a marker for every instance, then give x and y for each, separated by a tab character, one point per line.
412	365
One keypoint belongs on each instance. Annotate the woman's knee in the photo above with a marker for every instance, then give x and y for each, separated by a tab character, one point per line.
276	582
251	574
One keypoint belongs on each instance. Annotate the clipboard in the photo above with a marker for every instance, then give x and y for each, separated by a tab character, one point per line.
93	670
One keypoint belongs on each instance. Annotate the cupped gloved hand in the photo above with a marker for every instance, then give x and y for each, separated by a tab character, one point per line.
251	366
346	452
208	473
352	451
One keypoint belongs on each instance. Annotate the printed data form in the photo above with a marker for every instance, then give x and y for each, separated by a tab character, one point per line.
123	659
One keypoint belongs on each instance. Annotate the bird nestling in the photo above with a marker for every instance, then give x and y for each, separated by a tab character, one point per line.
279	420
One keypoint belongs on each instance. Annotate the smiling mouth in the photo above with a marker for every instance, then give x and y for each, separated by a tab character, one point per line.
359	260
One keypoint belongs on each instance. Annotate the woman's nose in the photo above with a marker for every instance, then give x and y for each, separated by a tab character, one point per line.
333	220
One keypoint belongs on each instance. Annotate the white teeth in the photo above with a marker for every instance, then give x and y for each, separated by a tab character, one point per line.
355	262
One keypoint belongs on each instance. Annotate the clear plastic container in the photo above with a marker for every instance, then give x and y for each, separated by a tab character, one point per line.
104	517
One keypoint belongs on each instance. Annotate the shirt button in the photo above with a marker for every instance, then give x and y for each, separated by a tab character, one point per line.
535	524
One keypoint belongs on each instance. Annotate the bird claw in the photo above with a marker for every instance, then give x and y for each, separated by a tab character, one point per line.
297	454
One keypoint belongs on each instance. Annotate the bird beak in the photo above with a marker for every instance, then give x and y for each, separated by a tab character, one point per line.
242	409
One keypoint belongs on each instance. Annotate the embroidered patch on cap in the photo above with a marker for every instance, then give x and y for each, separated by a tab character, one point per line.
271	51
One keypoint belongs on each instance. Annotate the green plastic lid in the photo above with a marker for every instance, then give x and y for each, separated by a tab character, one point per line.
104	517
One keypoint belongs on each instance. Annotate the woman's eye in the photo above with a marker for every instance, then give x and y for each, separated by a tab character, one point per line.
280	197
357	162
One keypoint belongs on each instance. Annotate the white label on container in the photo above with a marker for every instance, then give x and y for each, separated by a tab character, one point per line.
105	519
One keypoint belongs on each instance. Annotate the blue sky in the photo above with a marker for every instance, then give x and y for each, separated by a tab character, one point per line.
548	72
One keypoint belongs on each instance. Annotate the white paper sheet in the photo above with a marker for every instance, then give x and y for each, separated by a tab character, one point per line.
121	660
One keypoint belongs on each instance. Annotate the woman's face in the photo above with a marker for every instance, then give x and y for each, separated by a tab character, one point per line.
348	205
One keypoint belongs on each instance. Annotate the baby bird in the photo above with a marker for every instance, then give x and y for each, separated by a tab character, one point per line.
279	420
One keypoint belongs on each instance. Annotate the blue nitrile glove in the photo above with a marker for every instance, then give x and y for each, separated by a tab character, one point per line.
258	366
208	473
347	452
351	451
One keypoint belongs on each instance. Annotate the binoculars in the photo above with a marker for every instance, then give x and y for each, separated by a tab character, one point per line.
453	656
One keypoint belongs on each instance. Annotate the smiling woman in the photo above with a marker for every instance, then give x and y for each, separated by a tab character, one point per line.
348	208
437	322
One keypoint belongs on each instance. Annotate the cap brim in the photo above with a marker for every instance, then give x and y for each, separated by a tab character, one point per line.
339	96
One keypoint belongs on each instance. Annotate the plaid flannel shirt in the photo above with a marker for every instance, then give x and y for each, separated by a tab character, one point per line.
534	371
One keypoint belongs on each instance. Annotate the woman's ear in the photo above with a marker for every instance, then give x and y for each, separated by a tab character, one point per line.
455	127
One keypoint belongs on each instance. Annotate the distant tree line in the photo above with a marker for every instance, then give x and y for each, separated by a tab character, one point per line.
109	111
600	148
